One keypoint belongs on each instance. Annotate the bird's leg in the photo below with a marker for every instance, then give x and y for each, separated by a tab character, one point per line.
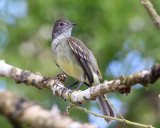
80	85
70	86
87	84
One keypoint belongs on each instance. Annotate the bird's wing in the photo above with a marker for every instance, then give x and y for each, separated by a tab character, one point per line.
83	54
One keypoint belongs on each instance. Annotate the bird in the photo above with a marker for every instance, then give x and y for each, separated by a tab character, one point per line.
77	61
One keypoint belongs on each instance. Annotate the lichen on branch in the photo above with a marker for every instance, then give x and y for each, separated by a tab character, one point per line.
26	113
122	84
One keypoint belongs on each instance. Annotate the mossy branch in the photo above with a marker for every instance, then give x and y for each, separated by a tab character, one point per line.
122	84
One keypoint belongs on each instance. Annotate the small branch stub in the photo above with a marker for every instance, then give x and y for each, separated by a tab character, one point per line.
152	12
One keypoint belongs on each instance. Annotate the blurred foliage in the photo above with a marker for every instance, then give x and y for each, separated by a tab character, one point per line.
120	34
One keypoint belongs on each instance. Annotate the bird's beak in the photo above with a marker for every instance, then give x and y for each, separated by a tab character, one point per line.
73	24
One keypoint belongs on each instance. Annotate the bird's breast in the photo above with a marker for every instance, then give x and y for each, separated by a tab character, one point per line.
67	61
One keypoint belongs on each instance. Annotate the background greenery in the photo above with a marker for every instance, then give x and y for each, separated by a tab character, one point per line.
120	34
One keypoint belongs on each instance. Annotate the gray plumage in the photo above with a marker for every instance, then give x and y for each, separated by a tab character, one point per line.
76	60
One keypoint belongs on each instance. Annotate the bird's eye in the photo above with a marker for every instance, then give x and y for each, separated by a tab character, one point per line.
61	24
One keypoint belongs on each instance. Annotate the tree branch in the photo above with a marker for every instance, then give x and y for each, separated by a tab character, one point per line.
26	113
122	84
56	84
152	12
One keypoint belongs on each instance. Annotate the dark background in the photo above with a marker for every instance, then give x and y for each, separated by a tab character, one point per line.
119	33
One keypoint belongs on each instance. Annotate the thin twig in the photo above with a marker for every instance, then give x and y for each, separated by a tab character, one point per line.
112	118
115	109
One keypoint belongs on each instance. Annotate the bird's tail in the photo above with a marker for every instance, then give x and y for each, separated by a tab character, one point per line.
104	104
105	107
